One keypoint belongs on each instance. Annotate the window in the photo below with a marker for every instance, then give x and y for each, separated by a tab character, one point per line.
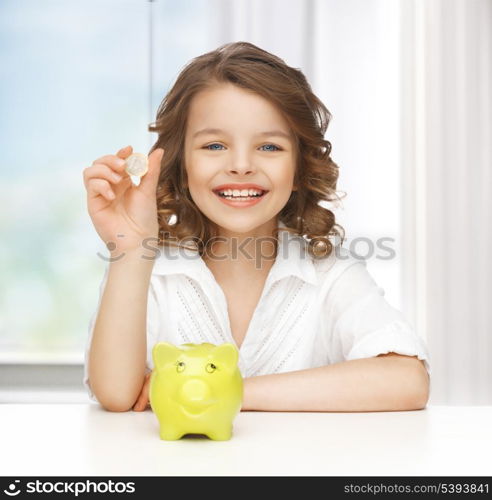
79	80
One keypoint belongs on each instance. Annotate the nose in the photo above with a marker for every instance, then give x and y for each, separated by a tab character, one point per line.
241	170
195	391
241	165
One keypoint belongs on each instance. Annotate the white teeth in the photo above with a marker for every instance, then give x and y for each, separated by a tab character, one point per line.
240	193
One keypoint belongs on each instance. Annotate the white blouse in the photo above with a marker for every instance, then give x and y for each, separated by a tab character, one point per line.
312	312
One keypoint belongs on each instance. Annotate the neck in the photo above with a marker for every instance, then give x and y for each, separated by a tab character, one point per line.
255	249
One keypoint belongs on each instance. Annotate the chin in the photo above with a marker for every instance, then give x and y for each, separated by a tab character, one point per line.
240	228
240	225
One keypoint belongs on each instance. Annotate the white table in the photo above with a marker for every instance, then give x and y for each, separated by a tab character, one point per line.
84	439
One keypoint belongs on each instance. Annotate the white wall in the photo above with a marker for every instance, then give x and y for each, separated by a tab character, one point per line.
356	74
348	50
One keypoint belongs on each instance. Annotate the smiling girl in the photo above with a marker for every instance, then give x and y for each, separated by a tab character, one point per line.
243	252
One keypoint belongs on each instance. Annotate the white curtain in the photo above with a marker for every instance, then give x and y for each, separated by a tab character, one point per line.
409	85
447	116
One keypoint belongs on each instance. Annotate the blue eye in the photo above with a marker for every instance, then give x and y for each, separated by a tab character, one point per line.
216	144
276	148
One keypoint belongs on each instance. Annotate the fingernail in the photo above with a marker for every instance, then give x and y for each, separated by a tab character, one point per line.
120	162
117	177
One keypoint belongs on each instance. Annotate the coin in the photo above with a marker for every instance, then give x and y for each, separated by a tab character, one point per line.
137	164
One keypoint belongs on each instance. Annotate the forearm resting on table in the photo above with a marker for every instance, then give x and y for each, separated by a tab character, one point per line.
118	348
388	382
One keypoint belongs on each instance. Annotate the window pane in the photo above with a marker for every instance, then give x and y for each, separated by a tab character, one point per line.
75	85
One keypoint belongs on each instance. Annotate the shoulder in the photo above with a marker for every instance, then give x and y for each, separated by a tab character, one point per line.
330	268
343	278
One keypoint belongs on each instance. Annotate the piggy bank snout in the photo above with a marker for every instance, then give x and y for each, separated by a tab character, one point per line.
195	391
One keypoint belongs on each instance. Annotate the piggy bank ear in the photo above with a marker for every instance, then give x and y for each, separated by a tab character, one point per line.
164	353
226	354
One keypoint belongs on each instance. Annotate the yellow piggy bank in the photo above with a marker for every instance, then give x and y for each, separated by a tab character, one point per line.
195	389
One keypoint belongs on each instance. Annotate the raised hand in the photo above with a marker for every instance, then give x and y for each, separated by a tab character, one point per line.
118	207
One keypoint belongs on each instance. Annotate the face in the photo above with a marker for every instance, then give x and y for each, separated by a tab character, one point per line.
236	154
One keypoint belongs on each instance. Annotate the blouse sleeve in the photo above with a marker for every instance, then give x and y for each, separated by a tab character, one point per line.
152	330
362	324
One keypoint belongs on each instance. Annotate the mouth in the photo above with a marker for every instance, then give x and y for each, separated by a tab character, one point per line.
238	199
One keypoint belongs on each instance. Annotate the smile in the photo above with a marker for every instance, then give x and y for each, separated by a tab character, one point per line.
241	198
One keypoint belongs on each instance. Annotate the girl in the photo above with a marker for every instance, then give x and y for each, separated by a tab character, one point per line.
224	241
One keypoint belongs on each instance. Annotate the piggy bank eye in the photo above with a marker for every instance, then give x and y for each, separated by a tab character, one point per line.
180	366
210	368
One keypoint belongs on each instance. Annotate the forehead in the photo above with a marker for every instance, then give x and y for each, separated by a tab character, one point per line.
229	108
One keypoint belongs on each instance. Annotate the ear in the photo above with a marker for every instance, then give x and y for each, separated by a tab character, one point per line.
226	354
164	353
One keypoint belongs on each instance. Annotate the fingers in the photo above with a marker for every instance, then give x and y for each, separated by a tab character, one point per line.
141	404
105	173
149	181
100	187
114	162
155	159
108	172
143	398
125	152
101	171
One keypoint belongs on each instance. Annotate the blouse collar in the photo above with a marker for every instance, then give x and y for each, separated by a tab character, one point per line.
293	259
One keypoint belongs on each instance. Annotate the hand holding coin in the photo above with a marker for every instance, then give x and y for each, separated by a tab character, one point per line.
115	206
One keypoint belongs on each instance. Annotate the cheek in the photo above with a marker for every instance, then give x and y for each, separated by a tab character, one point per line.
200	171
199	183
283	178
197	180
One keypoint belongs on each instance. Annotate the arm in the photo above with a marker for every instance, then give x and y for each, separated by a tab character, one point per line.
389	382
118	348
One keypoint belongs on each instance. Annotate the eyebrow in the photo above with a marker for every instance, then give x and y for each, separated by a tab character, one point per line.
268	133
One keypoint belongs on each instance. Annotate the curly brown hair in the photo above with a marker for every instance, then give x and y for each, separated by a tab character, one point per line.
257	70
